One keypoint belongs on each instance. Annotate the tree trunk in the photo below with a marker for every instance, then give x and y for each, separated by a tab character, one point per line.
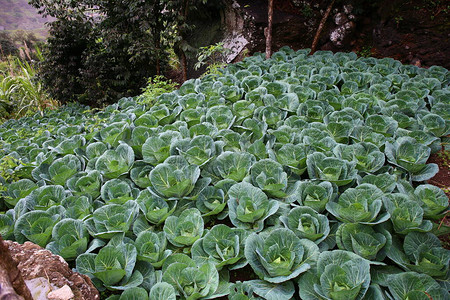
269	30
320	28
184	12
157	36
12	285
183	64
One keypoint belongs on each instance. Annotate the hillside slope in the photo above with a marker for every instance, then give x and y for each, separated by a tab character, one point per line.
18	14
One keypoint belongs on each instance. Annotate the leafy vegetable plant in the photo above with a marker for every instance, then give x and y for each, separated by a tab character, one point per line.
299	169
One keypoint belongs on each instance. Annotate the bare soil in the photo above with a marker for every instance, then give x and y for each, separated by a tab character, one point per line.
442	180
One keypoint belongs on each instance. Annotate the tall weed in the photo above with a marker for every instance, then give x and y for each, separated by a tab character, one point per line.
21	92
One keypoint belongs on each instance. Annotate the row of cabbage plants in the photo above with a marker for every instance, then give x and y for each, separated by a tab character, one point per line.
306	171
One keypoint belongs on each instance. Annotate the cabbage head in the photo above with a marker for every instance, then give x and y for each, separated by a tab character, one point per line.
306	223
334	170
339	275
280	255
175	178
362	204
223	246
249	206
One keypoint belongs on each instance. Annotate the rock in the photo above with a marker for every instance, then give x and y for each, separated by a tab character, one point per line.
236	43
64	293
35	262
337	35
348	9
39	287
349	25
340	18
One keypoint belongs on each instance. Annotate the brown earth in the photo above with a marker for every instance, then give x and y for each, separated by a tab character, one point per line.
414	32
442	180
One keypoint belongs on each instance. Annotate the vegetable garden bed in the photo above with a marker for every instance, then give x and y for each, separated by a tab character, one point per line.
307	171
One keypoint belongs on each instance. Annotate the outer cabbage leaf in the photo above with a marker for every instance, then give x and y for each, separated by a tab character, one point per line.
162	291
197	151
384	181
7	225
233	165
314	110
382	124
139	174
112	267
435	202
434	124
271	291
422	253
292	156
156	148
17	190
115	132
366	134
77	207
41	198
411	285
211	201
35	226
316	194
118	191
220	116
70	145
367	156
111	219
86	184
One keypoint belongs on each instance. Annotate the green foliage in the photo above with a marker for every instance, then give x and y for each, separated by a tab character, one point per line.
338	275
7	44
279	255
191	280
213	56
156	86
70	239
100	52
21	93
222	246
312	182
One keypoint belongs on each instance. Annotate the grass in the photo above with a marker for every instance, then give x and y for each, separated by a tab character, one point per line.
445	156
21	93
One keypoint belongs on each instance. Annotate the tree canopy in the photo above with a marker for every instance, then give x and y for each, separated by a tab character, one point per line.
100	51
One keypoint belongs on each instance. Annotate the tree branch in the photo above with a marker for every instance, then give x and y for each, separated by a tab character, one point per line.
320	28
268	32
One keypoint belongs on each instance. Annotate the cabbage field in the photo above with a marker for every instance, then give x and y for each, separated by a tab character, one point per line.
303	176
